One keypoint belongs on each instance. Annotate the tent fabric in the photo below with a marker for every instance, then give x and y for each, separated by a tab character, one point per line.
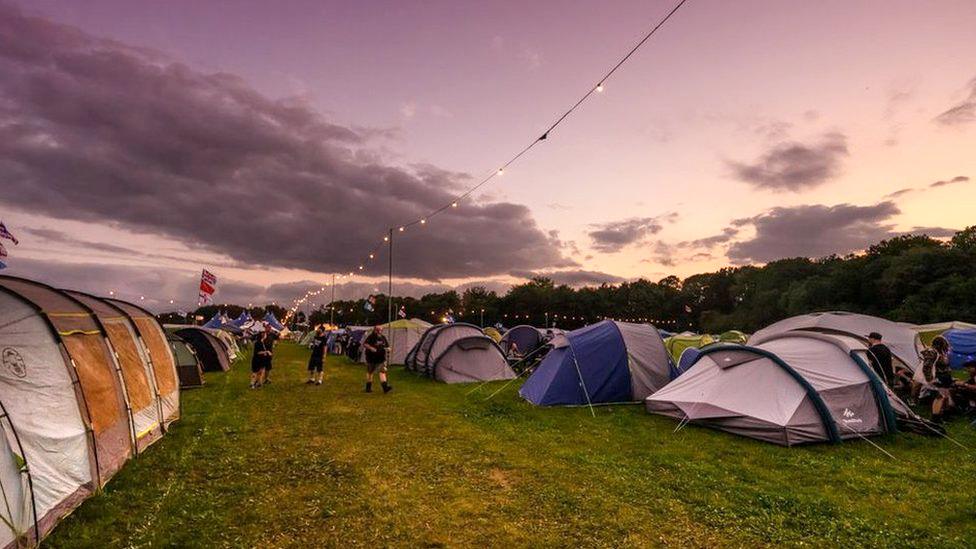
901	339
403	334
605	362
927	332
160	358
228	341
733	336
526	338
213	357
434	342
793	388
677	343
469	359
963	347
102	393
188	366
493	334
145	410
272	321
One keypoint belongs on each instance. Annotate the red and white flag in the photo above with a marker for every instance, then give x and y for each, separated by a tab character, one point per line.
4	233
208	285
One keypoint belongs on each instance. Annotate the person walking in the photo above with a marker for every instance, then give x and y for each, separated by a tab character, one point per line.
375	347
261	359
317	359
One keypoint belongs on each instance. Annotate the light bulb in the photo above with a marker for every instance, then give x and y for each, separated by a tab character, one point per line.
501	171
423	221
454	204
599	87
401	229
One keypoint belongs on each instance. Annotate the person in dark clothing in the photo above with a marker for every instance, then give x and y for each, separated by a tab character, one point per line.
938	377
964	392
261	359
880	356
272	338
317	359
375	347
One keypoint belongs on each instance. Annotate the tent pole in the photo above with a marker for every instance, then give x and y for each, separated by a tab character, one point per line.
580	374
389	298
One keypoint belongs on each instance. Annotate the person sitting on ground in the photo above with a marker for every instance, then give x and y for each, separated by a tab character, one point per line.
260	360
513	351
374	349
317	359
938	378
964	392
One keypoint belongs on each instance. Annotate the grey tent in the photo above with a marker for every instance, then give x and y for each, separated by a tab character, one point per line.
211	352
900	338
435	341
187	364
470	358
788	388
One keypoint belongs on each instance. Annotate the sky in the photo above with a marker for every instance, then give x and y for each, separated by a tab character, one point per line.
275	143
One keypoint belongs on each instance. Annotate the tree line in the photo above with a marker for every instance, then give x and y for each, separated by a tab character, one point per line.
911	278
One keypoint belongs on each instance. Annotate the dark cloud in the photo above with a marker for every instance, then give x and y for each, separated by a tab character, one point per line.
575	278
957	179
98	131
794	166
962	113
614	236
709	242
814	231
59	237
934	232
901	192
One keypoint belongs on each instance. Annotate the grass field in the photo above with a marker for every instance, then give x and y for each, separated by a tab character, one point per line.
430	465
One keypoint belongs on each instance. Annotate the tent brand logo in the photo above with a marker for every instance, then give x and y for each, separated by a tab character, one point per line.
849	416
13	362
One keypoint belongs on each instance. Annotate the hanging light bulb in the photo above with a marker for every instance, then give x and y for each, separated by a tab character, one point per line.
360	267
371	256
401	229
423	221
599	87
386	239
454	204
501	171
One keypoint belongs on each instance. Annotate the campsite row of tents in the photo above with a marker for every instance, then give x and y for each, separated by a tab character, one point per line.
804	379
86	383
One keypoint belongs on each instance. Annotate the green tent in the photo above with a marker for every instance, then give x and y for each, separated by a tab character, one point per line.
677	343
733	336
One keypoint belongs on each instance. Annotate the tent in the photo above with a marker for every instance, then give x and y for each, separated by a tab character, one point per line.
963	347
216	321
526	338
272	321
493	334
187	364
605	362
160	356
403	335
64	415
733	336
927	332
435	341
229	343
470	358
677	343
242	319
213	357
901	339
788	388
144	408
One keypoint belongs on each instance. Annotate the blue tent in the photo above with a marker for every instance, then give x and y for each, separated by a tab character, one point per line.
243	319
526	338
604	362
963	344
216	321
273	322
688	358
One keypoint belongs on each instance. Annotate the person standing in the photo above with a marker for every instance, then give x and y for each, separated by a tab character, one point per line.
880	357
374	348
938	377
272	337
261	359
317	359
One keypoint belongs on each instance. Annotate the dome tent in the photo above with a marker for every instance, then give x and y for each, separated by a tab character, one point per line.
459	353
901	339
927	332
402	334
140	384
605	362
963	347
789	388
526	338
211	352
64	407
188	366
677	343
160	356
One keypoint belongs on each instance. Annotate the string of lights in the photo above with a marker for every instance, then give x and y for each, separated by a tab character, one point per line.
455	202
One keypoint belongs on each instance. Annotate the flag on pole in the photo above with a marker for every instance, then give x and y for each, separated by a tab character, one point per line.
402	313
4	233
208	285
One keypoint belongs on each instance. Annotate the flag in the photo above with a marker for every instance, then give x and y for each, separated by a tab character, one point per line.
402	313
4	233
208	285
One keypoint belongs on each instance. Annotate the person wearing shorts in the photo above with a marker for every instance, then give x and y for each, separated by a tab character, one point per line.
317	359
375	347
261	359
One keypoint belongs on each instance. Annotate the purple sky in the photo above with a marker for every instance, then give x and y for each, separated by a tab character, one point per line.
274	143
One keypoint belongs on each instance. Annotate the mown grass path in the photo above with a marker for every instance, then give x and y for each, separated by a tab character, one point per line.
292	465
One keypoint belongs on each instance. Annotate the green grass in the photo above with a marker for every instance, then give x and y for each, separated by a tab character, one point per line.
429	465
